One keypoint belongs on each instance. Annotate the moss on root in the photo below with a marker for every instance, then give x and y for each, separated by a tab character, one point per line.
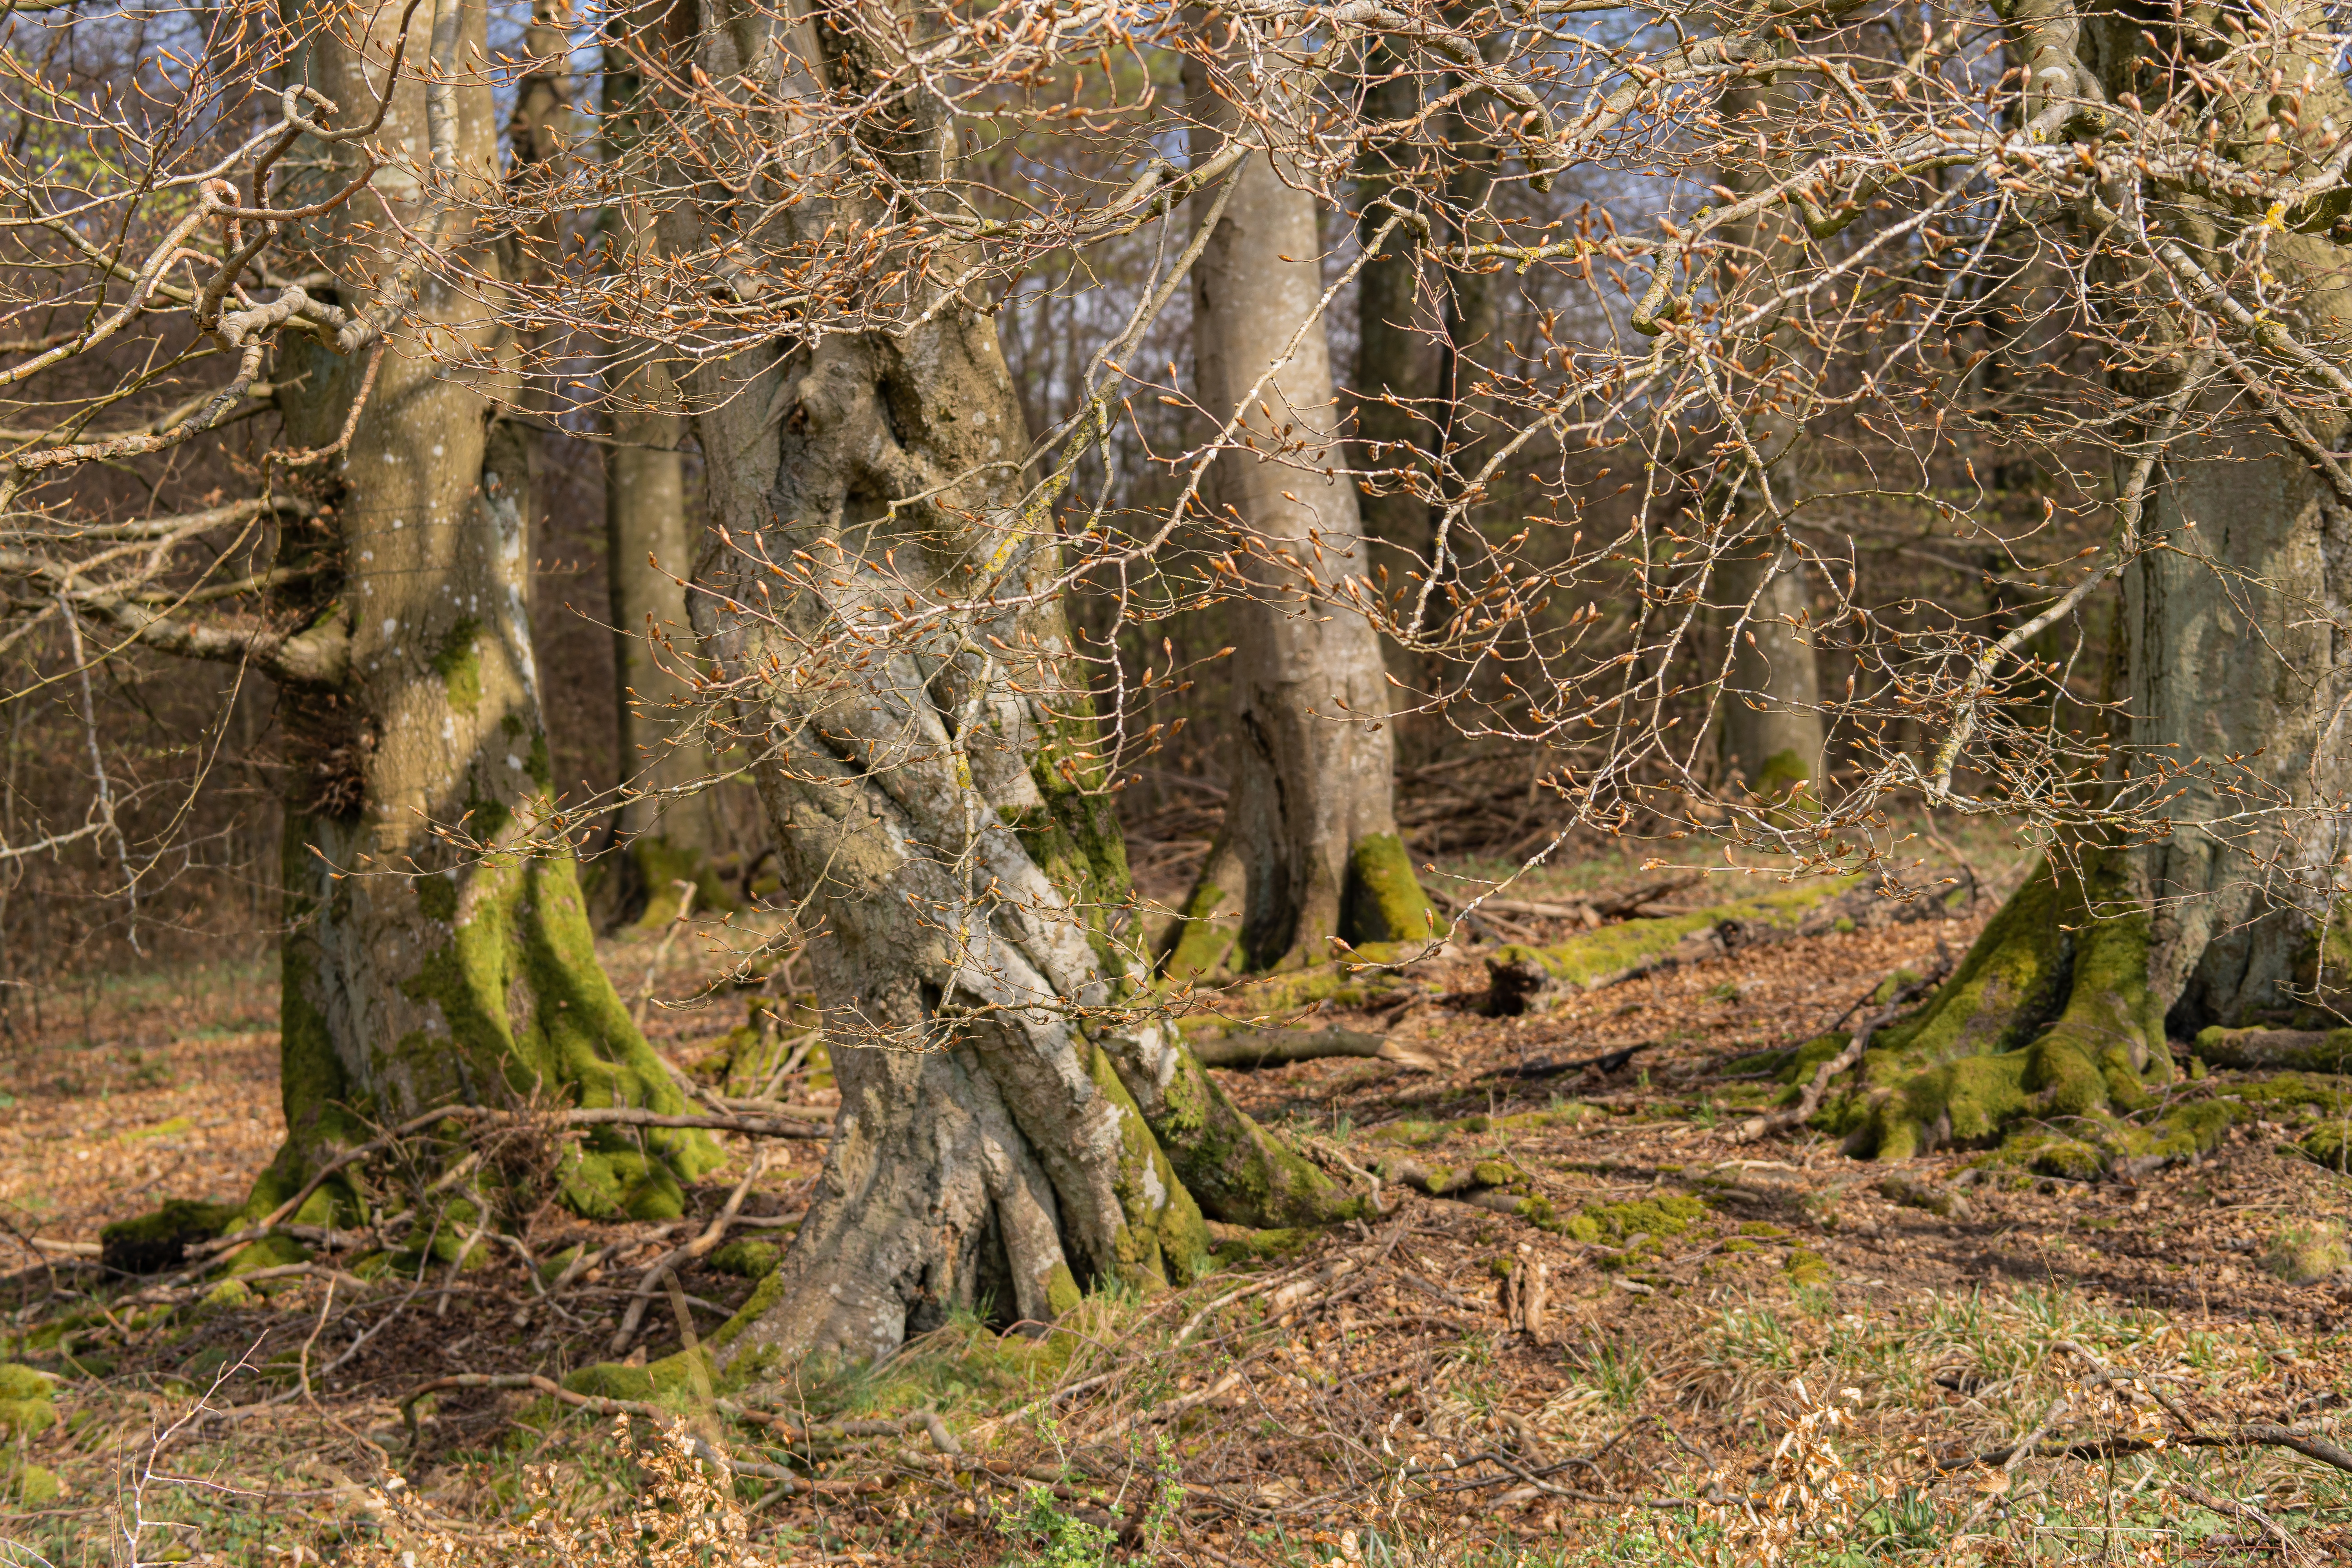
1206	931
1384	900
1986	1053
1599	956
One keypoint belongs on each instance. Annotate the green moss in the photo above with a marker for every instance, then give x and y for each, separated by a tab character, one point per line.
1805	1267
1617	1224
661	866
34	1485
1061	1293
24	1417
520	998
2330	1052
1236	1245
2326	1145
226	1296
1206	936
746	1260
1383	901
1599	955
458	662
25	1384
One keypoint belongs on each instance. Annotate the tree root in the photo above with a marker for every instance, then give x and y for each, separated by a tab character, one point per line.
1810	1102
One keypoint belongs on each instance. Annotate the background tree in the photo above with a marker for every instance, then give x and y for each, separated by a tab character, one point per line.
1309	849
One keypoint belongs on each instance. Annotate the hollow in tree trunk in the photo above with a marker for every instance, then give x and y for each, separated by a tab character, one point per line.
437	948
1005	1142
1309	849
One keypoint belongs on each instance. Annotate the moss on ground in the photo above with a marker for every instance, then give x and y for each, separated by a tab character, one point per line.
1600	954
1637	1230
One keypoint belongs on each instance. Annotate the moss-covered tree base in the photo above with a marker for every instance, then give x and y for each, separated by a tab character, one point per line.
2050	1039
1220	932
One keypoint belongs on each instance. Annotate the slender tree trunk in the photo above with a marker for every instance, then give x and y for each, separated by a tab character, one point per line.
668	826
1395	373
1770	733
1309	849
437	950
946	828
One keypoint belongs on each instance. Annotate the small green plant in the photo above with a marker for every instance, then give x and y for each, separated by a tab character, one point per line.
2305	1254
1046	1537
1726	992
1617	1371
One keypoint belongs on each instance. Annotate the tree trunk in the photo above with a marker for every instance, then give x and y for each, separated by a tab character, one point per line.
667	830
436	949
946	828
2233	916
2062	1010
1395	373
1309	849
1771	735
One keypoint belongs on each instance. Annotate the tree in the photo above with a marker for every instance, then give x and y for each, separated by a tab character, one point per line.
1771	714
436	949
439	948
884	614
1309	849
667	826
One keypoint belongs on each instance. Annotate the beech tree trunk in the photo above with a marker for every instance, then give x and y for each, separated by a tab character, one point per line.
2062	1014
1309	849
1770	731
669	829
437	948
1005	1142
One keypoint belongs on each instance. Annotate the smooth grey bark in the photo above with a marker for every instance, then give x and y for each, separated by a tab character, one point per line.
437	948
1309	849
2233	656
1771	732
669	827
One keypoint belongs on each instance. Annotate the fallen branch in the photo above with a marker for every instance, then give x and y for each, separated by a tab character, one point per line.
1279	1048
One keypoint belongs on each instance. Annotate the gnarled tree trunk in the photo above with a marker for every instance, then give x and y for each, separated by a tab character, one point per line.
944	827
437	950
1309	849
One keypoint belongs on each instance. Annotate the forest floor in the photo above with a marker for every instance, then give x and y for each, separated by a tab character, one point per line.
1739	1351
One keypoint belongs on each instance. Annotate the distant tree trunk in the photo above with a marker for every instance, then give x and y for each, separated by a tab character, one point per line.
946	828
1395	373
437	950
668	830
2062	1013
1770	726
1309	849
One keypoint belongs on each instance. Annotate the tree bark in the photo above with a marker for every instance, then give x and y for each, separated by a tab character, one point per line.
437	947
944	824
1771	735
1309	849
668	828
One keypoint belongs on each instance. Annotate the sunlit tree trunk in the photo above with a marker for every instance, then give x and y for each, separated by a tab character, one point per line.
945	828
437	950
2233	684
1309	849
